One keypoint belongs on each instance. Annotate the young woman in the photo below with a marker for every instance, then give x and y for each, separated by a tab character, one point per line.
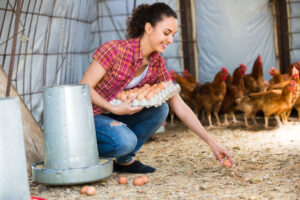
123	64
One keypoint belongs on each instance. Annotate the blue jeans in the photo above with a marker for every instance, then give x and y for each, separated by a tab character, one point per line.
121	136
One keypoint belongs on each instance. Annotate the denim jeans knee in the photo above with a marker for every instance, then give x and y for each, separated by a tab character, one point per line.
114	138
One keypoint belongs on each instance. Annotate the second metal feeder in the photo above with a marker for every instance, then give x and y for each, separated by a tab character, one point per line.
71	154
13	174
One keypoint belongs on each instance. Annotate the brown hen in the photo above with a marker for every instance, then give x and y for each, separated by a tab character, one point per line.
234	90
270	102
211	95
254	82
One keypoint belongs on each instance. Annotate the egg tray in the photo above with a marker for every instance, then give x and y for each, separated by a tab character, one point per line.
156	100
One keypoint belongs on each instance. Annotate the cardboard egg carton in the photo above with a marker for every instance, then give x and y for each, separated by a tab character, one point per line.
156	100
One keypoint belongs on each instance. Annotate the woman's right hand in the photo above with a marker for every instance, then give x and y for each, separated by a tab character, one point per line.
125	109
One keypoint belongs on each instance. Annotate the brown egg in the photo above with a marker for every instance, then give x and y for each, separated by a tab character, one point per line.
227	163
150	95
83	189
156	90
138	181
122	180
91	191
140	96
118	96
146	86
161	86
132	94
154	85
123	97
145	178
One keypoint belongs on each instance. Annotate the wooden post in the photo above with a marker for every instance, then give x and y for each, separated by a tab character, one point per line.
283	34
187	36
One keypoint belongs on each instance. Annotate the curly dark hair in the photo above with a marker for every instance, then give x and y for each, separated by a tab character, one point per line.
147	13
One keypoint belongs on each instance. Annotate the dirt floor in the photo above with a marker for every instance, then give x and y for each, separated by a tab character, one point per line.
267	166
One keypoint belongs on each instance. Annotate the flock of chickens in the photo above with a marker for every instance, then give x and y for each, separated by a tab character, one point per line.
248	93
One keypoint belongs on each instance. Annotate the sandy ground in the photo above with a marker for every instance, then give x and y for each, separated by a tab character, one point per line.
267	166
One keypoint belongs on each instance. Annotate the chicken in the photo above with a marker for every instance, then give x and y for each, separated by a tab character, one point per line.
279	86
187	92
188	76
297	101
287	76
277	77
271	103
234	90
280	83
246	105
186	85
254	82
187	89
211	95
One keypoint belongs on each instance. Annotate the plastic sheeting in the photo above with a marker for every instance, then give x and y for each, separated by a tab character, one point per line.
53	45
231	32
57	39
295	30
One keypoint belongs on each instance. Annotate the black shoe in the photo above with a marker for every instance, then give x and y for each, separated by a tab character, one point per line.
136	167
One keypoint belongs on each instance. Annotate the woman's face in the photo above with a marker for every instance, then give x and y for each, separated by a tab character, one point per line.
162	34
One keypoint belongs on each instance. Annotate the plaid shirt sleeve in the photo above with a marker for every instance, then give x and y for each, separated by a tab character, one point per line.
106	54
163	73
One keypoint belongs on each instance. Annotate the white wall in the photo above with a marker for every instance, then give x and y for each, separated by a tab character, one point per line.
231	32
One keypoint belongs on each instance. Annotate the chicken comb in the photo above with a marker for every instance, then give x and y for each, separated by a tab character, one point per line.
293	83
259	58
172	72
185	72
224	70
295	72
243	66
272	69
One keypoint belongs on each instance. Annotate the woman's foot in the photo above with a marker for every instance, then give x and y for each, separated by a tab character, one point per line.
135	167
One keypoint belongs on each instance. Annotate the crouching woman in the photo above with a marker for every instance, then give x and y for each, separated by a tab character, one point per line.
124	64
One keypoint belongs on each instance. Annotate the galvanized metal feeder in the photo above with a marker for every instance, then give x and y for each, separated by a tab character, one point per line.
14	179
71	154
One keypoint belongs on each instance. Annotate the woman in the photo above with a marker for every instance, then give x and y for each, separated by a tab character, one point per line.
123	64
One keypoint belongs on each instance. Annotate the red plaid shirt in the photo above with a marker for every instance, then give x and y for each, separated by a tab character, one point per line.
121	60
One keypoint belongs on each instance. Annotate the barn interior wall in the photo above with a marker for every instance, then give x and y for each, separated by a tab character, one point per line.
232	32
56	39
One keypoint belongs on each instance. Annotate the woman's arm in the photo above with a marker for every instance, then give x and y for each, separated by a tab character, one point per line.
191	121
91	77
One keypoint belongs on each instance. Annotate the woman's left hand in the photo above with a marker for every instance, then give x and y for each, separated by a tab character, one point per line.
220	153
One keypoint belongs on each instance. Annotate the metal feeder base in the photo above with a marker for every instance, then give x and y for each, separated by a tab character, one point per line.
72	176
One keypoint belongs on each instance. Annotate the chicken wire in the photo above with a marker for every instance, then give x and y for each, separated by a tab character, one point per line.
56	40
